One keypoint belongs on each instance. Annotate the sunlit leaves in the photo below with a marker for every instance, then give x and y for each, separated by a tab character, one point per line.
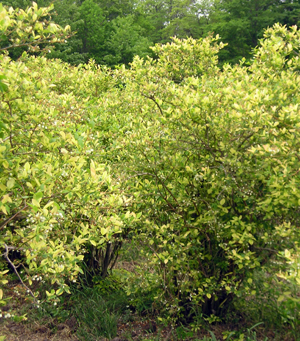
203	161
214	158
52	174
29	27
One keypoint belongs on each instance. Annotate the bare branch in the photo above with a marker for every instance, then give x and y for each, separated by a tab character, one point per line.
154	100
12	217
16	272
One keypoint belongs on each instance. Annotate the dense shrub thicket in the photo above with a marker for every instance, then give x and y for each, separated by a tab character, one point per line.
200	165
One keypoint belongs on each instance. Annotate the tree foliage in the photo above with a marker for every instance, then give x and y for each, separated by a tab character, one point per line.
112	32
241	23
125	42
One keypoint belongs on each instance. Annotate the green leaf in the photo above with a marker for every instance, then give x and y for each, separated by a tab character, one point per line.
59	291
10	183
38	196
27	166
35	203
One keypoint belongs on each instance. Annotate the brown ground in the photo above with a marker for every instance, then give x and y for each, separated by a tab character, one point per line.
66	331
20	332
138	330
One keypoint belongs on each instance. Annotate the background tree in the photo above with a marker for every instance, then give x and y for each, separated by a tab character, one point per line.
107	32
66	12
241	23
117	8
92	29
125	41
184	19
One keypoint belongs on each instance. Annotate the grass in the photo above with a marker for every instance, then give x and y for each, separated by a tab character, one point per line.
105	311
282	317
97	315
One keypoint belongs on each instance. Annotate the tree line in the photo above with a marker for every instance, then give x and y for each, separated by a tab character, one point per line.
113	32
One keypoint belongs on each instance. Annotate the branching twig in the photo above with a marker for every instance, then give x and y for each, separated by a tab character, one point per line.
16	272
154	100
265	249
12	217
244	140
12	248
168	335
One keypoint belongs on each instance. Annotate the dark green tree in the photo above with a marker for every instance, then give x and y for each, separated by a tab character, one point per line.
185	18
116	8
241	23
113	31
91	30
125	41
289	12
67	12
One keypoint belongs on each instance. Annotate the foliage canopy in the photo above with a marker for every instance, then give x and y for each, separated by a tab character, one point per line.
199	164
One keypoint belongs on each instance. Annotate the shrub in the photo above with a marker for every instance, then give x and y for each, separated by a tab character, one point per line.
59	204
213	163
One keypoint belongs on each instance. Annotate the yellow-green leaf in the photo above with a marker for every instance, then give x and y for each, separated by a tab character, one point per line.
10	183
